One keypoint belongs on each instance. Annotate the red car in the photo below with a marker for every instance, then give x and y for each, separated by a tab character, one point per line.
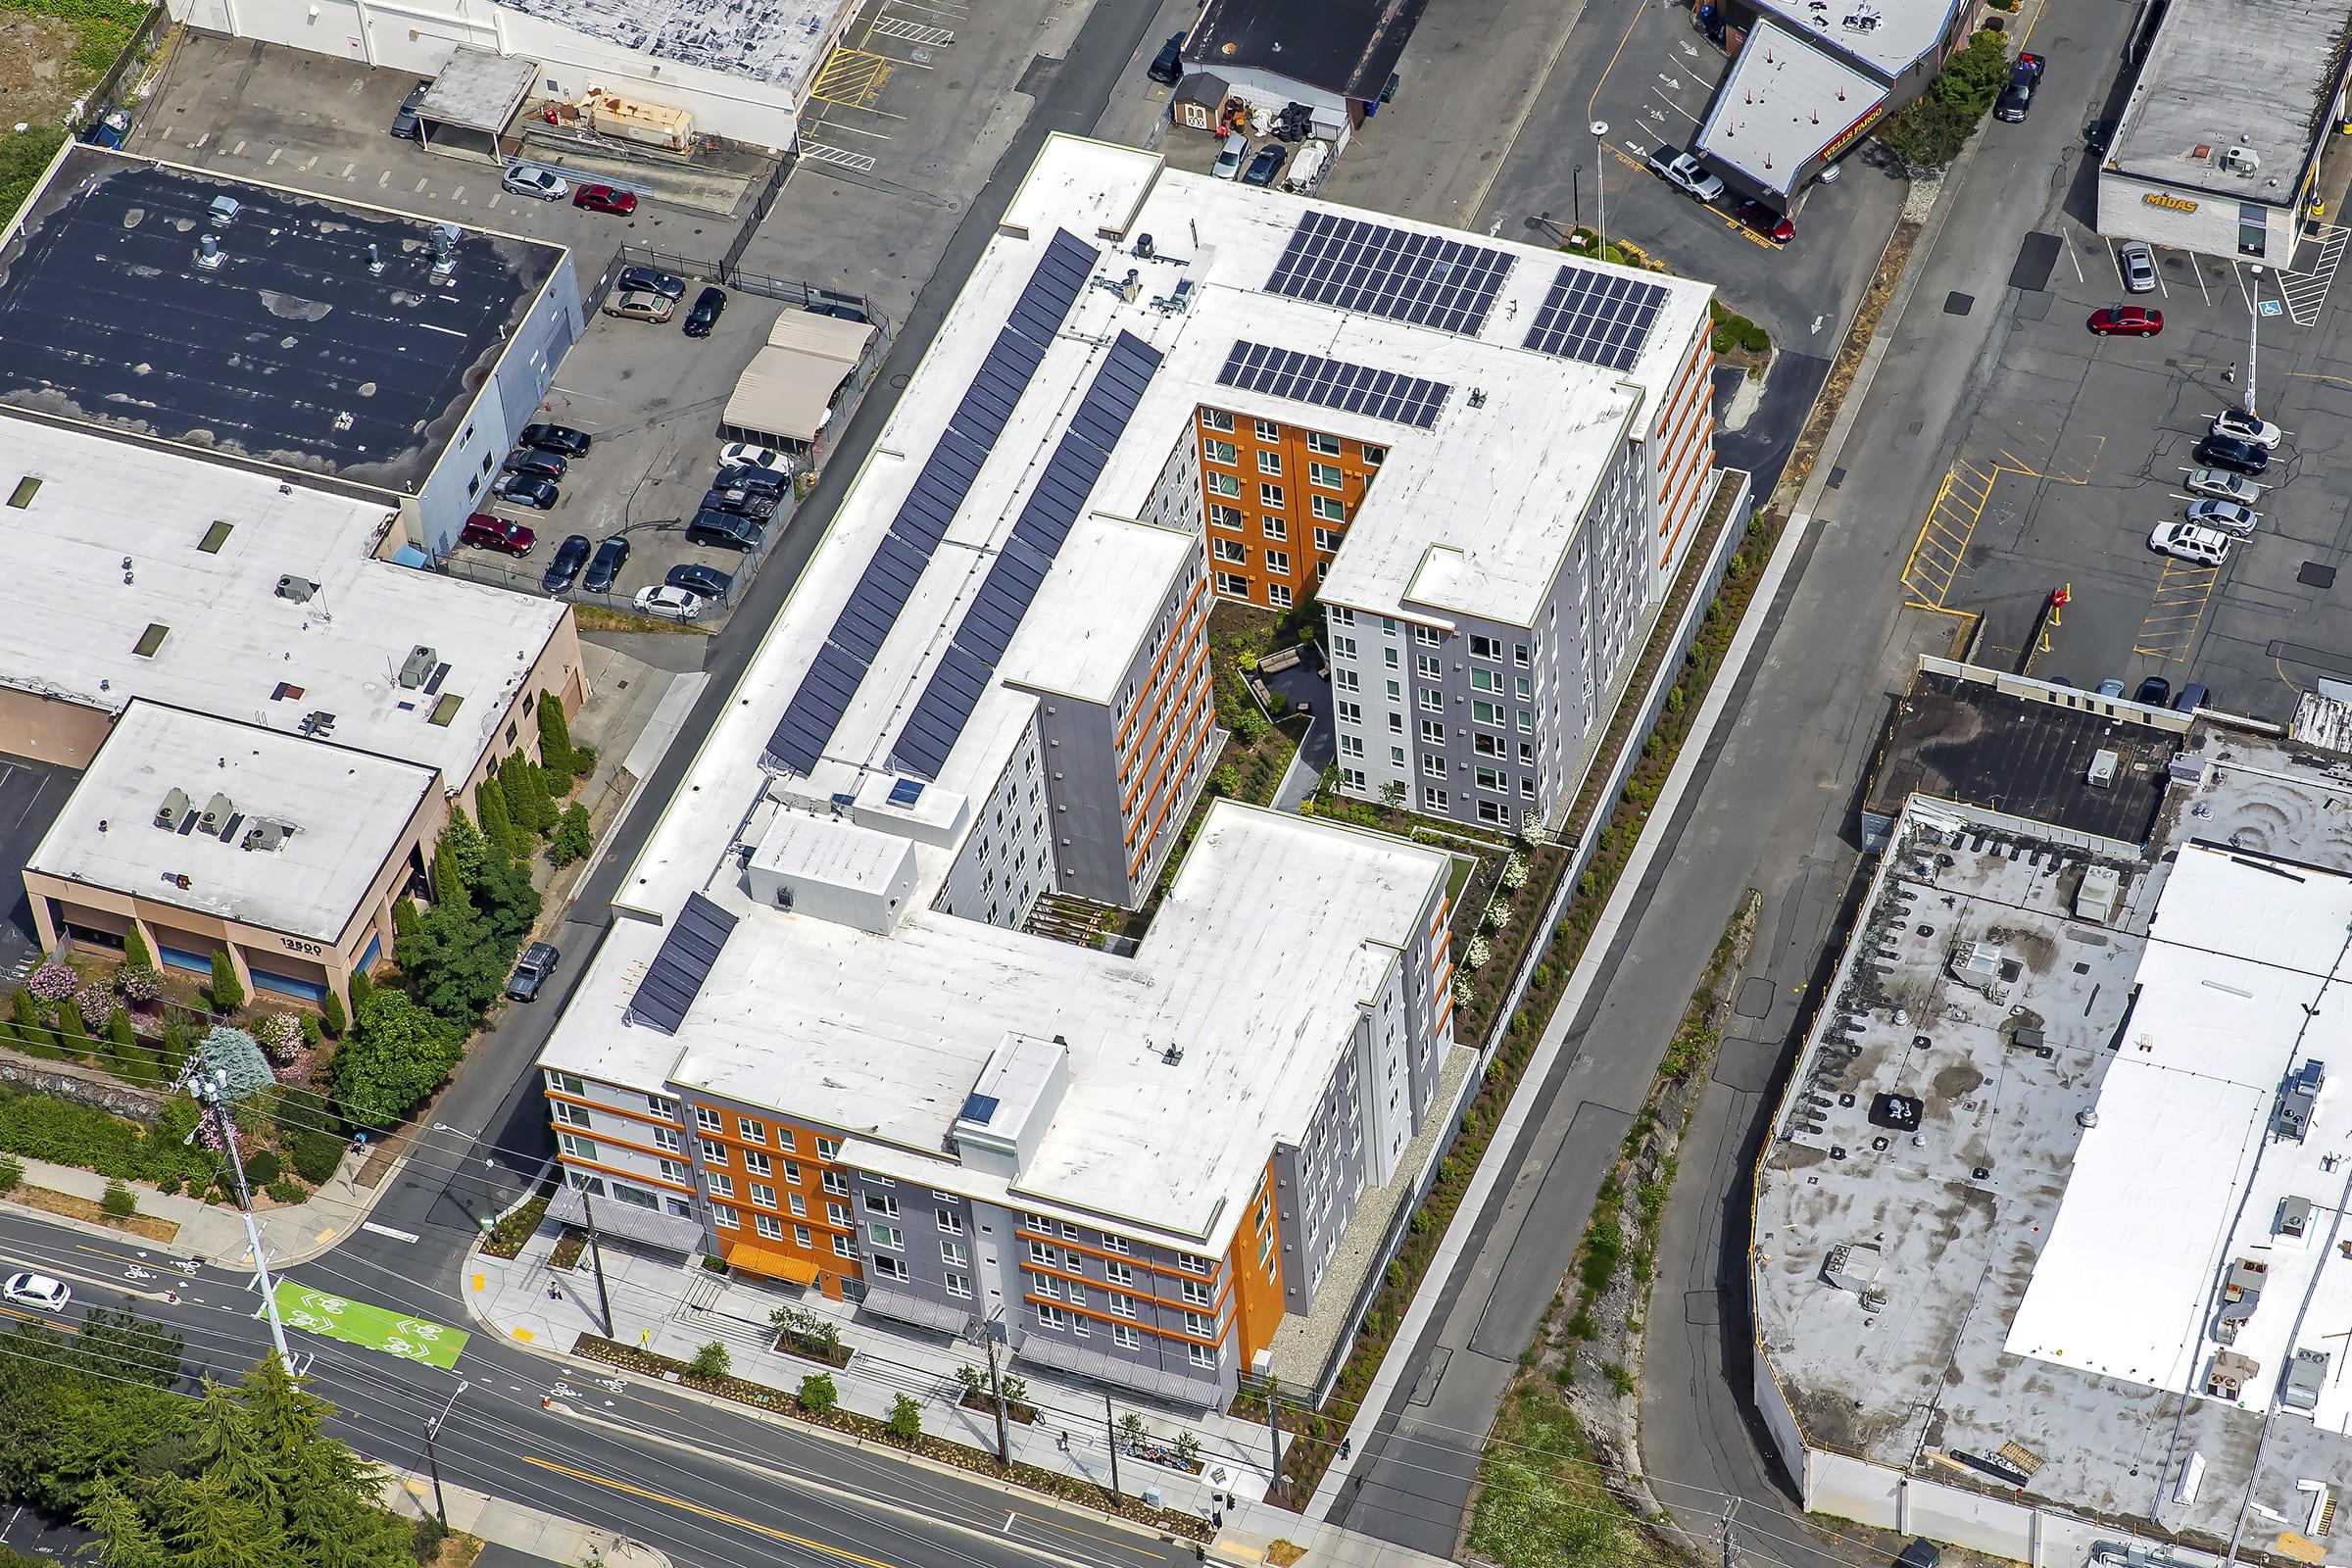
605	199
1765	222
488	533
2128	320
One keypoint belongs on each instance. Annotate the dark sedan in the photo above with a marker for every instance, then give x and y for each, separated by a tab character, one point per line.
2228	451
707	581
534	459
1766	221
653	280
556	438
705	313
525	489
570	555
765	481
605	570
1265	165
2014	104
756	504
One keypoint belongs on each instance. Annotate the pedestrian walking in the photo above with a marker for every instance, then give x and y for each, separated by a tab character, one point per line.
2230	376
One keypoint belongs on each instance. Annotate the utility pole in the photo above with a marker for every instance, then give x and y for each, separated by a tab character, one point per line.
1111	1430
433	1461
1728	1537
210	1081
1601	185
2253	334
996	1388
596	1253
1274	1431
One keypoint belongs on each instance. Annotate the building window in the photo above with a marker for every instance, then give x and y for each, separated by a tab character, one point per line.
800	1204
1433	798
1228	485
1433	732
769	1226
1342	615
882	1203
1269	463
1270	495
1351	746
577	1148
757	1163
1225	517
1485	647
842	1247
1527	788
953	1254
1232	585
800	1236
677	1170
1050	1257
792	1171
709	1120
1374	456
889	1235
1433	764
1193	1291
1427	667
720	1186
836	1214
1486	681
828	1149
1331	509
835	1182
763	1194
1343	646
1486	713
1426	636
1348	713
1519	654
567	1113
713	1153
670	1140
1397	720
1327	446
1489	779
1327	539
889	1268
1345	680
1051	1317
1125	1338
1278	562
960	1286
1232	549
1122	1306
1527	722
1274	529
785	1140
1432	700
1216	420
1044	1285
1352	777
1221	451
726	1218
1277	596
1268	430
1201	1356
1117	1243
564	1083
950	1221
1326	474
1193	1265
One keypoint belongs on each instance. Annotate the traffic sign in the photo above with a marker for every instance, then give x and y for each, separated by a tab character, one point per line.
2269	307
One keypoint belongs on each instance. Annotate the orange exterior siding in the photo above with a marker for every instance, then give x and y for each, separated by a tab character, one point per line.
1288	529
744	1245
1255	1263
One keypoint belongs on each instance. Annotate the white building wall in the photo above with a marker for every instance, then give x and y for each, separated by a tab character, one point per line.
1176	495
2209	229
1008	858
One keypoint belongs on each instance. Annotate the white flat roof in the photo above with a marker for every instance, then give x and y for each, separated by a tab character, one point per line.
347	811
1082	630
109	546
1886	34
778	44
1782	102
2261	74
2183	1173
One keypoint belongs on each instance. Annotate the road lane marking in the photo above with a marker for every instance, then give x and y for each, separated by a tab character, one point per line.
627	1489
386	1230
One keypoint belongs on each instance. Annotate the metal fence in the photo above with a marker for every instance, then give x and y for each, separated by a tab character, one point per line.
788	291
109	86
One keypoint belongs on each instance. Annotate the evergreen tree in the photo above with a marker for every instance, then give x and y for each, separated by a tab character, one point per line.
331	1017
448	882
467	844
362	987
526	796
125	1539
555	736
498	828
227	995
134	949
507	903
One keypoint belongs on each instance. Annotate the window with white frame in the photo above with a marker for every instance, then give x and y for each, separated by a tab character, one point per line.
1350	713
1331	509
763	1194
1232	549
569	1115
836	1183
750	1131
1485	647
566	1083
1343	646
1428	666
828	1149
1345	680
1269	463
726	1218
1374	456
1432	700
720	1186
1325	446
1228	485
1223	452
1051	1317
757	1163
882	1203
800	1236
1326	474
959	1286
1433	732
1278	562
1268	430
1341	615
709	1120
889	1235
842	1247
1195	1265
713	1153
1125	1338
1270	495
1327	539
1427	636
1490	779
1201	1356
889	1268
1274	529
1486	713
1433	764
769	1226
578	1146
677	1170
1216	420
1232	584
953	1254
1278	595
1222	517
1117	1243
1433	798
669	1138
949	1221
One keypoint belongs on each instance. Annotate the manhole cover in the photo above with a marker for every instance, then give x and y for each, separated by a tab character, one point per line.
1958	304
1755	996
2315	575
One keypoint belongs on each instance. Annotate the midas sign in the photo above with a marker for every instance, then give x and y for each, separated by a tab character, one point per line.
2169	202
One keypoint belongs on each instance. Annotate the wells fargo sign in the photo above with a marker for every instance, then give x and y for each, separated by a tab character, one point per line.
2169	202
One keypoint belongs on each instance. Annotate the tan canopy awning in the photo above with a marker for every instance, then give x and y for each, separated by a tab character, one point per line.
787	388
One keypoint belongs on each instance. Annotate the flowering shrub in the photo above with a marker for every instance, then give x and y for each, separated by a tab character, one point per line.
1514	873
1476	953
281	1037
1498	915
1463	991
95	1003
54	981
140	984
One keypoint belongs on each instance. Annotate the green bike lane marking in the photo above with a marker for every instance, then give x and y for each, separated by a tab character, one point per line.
375	1328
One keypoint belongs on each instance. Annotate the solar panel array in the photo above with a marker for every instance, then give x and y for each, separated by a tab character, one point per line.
806	727
1028	553
1334	384
1427	279
676	976
1597	317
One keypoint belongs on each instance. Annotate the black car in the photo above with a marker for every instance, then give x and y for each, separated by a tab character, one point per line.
531	970
2228	451
570	555
2154	692
2026	69
1168	66
725	530
604	570
2097	135
525	489
759	504
2015	101
556	438
532	459
405	123
704	315
760	481
709	581
1265	165
652	281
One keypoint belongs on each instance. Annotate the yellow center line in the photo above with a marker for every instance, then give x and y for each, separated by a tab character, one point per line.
720	1517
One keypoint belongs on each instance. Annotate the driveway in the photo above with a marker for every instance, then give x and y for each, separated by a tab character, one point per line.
32	794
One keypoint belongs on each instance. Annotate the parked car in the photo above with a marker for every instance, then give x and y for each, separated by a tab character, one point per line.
1168	66
530	179
2222	486
2139	264
486	531
676	603
2110	688
2246	426
1766	221
2187	541
2098	136
531	970
525	489
2126	321
2154	692
2227	516
748	455
1683	172
557	438
2014	104
653	280
758	505
570	555
1920	1554
405	123
765	481
1229	156
605	568
705	313
639	305
1266	164
534	459
727	531
38	1291
2193	697
2228	451
2027	68
694	578
605	199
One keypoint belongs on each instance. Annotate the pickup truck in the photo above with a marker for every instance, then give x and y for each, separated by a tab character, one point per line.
1682	171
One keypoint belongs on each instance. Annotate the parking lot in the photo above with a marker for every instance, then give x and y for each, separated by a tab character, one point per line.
2076	449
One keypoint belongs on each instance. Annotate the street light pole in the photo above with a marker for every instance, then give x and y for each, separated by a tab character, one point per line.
1110	1431
210	1083
2253	334
433	1461
1601	184
596	1252
996	1389
1576	198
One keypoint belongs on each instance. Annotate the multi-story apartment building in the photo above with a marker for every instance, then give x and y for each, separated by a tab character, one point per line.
822	1042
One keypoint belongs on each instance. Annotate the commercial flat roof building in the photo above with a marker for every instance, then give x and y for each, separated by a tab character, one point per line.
2046	1243
205	594
1336	58
319	340
2219	144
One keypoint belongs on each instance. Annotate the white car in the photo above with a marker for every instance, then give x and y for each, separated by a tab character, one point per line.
37	1290
2244	426
2139	267
746	455
675	602
2192	542
1231	157
2227	516
530	180
1683	172
2223	486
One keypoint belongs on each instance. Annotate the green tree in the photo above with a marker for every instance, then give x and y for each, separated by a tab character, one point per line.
453	965
467	844
450	880
395	1057
819	1394
572	839
134	949
711	1361
362	987
227	995
526	795
508	903
120	1201
331	1017
125	1538
906	1421
555	736
119	1031
498	828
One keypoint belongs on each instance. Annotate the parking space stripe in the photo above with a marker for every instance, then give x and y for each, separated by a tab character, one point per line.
2174	610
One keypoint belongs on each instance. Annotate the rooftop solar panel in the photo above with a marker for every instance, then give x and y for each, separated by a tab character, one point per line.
1409	399
1403	274
683	963
1596	317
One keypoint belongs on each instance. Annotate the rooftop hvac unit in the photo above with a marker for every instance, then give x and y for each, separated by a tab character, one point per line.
175	807
2306	1376
416	666
296	590
2230	1372
2095	899
266	836
2241	160
2103	769
2299	1097
217	812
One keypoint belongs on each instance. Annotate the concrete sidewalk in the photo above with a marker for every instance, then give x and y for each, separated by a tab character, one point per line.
512	1525
674	1310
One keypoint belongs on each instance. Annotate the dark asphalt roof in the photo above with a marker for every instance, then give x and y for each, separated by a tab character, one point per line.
288	352
1348	47
1961	741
